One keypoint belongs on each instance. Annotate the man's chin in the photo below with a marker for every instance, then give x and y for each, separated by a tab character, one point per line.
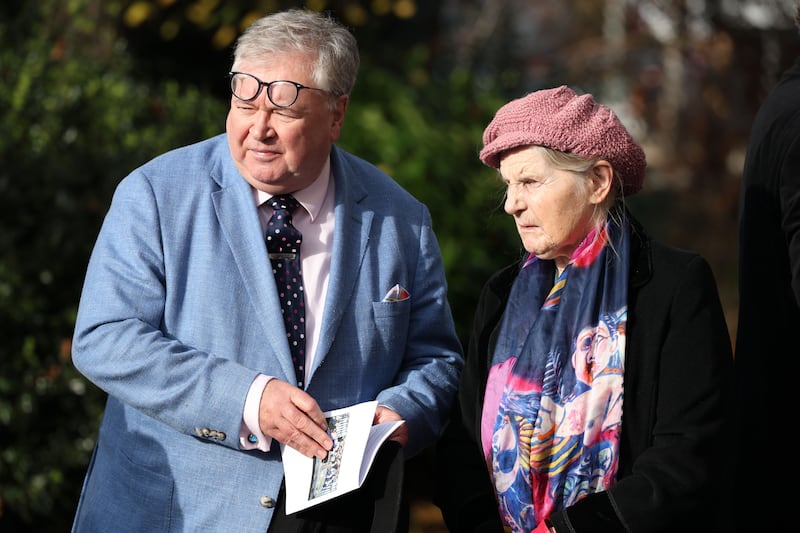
267	182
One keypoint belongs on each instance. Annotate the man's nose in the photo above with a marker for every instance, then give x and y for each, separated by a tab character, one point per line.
262	127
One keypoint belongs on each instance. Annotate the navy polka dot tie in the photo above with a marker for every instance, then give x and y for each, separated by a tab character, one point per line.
283	245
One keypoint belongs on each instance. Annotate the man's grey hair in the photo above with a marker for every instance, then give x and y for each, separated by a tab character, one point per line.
307	32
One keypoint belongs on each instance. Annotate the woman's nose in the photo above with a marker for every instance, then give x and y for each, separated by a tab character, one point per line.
511	204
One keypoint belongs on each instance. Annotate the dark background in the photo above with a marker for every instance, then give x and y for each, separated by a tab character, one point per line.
90	89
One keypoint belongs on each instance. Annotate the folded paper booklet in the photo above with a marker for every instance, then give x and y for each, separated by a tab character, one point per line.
310	480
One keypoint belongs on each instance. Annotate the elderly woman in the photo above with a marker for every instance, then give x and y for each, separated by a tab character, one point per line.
599	367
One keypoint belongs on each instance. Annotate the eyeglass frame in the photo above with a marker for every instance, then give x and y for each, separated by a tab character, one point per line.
267	84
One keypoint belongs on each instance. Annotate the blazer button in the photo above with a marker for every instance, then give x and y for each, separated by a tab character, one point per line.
267	502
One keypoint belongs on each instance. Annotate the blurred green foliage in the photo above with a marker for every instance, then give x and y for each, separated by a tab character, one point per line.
80	109
75	120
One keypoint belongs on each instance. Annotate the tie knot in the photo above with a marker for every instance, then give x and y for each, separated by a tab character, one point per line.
283	202
282	237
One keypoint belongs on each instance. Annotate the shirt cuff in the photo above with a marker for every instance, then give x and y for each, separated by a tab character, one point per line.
250	436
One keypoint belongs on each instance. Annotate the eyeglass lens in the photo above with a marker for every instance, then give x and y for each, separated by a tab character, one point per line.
280	93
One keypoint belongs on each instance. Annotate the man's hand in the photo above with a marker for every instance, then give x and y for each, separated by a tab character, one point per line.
289	415
384	414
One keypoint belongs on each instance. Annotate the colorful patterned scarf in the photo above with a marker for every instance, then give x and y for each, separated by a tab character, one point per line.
553	406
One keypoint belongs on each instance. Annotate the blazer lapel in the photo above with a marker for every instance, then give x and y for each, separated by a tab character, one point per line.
350	239
238	218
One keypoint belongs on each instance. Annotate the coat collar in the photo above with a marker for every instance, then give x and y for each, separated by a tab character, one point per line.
641	254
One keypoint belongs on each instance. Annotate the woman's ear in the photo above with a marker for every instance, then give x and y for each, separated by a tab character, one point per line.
602	178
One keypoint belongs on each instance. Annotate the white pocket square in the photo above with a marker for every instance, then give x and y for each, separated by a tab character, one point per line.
396	294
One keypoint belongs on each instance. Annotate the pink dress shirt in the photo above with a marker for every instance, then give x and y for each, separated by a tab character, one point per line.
316	222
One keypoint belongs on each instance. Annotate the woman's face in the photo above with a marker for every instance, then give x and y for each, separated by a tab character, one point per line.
553	209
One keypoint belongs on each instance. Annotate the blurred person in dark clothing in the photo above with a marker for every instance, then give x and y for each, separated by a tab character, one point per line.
769	304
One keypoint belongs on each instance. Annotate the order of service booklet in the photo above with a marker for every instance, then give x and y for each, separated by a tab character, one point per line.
310	480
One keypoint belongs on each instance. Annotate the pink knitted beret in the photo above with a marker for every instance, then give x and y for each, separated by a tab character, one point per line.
560	119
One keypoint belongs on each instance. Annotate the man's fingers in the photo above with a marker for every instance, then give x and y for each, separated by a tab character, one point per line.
384	414
309	407
293	417
304	426
307	445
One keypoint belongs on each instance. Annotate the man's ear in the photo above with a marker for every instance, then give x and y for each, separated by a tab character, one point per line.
602	177
337	117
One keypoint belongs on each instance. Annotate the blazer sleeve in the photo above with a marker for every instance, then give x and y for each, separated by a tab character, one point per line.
119	341
425	384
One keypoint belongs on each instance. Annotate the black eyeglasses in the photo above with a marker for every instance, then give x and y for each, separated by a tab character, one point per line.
282	93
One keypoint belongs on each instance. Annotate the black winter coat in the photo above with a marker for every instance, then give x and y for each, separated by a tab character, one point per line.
677	393
767	347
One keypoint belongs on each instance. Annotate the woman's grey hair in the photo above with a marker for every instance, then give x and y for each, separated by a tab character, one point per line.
582	165
306	32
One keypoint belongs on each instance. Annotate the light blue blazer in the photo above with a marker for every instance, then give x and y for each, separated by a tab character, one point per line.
179	314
